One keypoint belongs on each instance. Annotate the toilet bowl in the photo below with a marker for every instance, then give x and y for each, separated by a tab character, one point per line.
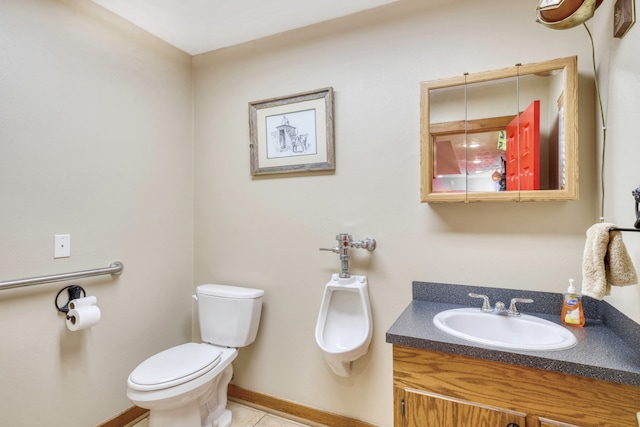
345	327
177	382
186	385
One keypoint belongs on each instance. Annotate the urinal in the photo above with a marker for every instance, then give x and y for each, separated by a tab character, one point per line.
345	327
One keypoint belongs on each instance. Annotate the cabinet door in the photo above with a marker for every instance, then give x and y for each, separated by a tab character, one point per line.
424	409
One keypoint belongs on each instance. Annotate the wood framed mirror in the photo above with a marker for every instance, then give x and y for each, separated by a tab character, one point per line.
502	135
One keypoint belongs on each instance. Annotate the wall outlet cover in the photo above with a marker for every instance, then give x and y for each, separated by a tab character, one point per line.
62	246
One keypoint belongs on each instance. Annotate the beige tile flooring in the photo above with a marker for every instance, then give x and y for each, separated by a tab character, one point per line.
245	416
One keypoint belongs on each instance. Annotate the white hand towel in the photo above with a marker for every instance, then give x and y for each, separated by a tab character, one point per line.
605	262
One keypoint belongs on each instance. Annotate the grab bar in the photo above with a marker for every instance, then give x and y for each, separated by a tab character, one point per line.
114	268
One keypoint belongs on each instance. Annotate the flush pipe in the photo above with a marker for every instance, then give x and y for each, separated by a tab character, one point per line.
345	241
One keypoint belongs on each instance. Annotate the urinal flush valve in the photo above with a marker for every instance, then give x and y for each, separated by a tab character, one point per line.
345	241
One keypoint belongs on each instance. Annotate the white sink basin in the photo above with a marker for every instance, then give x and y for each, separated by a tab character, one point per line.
522	332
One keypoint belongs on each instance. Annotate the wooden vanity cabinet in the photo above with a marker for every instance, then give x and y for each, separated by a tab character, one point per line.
434	389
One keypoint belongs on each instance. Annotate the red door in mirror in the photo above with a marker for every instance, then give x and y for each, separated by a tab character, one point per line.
523	150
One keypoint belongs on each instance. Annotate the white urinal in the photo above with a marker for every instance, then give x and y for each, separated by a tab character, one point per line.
345	326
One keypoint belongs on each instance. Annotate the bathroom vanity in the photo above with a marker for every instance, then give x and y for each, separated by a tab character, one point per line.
441	380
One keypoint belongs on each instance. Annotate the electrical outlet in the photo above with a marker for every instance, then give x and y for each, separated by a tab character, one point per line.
62	246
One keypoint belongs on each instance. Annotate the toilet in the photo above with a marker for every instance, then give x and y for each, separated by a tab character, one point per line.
186	385
345	327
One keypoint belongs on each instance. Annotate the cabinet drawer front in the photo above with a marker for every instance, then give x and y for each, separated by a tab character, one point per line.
544	422
433	410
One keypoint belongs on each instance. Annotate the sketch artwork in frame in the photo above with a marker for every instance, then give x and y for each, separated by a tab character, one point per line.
292	133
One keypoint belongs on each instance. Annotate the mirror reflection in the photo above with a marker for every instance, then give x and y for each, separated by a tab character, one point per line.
501	135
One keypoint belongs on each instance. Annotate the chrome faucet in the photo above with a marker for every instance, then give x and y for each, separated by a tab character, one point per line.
345	241
499	308
513	310
486	307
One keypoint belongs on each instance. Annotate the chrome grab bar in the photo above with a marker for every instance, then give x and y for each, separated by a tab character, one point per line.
115	267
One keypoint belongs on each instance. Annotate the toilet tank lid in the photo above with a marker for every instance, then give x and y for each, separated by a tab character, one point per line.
226	291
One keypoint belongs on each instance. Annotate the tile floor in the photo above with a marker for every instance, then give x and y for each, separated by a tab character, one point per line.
245	416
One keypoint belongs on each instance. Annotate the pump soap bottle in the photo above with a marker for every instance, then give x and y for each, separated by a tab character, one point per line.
572	311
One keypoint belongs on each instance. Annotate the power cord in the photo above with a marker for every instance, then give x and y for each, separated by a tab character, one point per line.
604	124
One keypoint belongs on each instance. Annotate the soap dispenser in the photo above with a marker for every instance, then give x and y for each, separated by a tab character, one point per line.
572	311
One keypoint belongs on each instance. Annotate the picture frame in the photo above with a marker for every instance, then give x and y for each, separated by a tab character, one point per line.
624	16
292	133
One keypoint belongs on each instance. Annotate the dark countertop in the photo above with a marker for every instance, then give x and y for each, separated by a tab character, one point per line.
608	346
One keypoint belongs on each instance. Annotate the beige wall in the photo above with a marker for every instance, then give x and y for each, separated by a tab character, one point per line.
265	232
618	68
95	141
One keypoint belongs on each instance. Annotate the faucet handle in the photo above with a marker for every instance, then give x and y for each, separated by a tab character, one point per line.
486	306
513	310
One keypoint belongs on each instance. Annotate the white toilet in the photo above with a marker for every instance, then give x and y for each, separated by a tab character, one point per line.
345	327
186	386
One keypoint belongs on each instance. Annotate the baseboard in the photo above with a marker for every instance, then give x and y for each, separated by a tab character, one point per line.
134	413
126	417
294	409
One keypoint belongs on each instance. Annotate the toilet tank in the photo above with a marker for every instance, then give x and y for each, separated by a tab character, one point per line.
229	315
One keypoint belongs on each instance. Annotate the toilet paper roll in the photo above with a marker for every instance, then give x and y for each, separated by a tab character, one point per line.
83	317
82	302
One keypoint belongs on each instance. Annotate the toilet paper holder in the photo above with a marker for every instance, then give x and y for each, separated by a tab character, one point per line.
81	311
74	291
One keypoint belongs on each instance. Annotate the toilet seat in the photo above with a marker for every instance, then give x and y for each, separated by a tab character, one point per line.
174	366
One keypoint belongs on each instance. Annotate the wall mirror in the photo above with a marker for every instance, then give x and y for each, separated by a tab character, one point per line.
502	135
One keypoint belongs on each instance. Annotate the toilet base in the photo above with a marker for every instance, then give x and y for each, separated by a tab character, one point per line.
200	412
187	416
223	421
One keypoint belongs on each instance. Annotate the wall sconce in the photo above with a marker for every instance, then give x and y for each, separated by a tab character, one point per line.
564	14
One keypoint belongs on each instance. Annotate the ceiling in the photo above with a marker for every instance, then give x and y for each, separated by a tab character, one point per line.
198	26
477	153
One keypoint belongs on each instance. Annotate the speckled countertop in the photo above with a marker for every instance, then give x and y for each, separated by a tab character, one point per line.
608	346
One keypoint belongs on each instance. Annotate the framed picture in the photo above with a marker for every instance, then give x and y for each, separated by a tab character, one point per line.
624	16
292	133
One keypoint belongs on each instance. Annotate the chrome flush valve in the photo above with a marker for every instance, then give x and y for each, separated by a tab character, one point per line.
345	241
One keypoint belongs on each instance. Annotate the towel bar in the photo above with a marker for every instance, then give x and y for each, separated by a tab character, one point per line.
114	268
623	229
